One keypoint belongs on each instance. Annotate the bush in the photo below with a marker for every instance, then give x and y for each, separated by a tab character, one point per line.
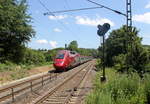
119	63
120	89
147	88
7	66
137	59
49	56
33	57
98	64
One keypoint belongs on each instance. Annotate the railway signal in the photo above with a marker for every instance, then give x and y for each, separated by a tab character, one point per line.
102	30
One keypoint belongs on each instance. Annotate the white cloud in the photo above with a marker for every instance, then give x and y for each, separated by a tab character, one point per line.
146	36
59	17
42	41
92	22
53	44
57	30
144	18
148	5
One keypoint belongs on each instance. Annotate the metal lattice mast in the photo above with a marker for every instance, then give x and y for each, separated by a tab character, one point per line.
129	29
129	15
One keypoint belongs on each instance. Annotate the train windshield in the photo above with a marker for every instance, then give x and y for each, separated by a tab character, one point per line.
60	56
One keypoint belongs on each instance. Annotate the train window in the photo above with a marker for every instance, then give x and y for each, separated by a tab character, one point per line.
60	56
72	52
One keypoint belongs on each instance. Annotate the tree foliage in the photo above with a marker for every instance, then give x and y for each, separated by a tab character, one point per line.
15	29
120	52
33	57
73	46
50	54
88	52
137	59
118	43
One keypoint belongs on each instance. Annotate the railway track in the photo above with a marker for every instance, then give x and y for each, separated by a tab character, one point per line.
67	91
10	92
30	89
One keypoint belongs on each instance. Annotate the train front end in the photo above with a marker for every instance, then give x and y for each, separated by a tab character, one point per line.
60	61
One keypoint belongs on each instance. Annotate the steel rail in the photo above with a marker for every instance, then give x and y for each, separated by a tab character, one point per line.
12	93
23	89
78	84
15	85
50	92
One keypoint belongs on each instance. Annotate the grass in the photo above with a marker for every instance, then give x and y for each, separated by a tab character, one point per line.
10	71
8	66
120	89
18	74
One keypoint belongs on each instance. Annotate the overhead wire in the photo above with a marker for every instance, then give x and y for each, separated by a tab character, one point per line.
65	27
77	27
67	6
72	10
102	6
52	13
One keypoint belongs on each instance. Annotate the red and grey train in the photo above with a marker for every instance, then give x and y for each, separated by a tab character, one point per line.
66	59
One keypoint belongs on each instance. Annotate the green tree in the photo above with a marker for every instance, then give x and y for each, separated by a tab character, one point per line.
15	29
137	59
50	54
73	46
33	57
126	51
117	43
88	52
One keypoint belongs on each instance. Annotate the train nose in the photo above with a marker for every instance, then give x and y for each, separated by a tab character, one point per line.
59	64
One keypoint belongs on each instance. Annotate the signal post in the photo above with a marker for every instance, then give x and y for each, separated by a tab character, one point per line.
102	30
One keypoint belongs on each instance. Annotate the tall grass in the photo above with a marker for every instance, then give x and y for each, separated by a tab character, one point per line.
120	89
16	71
9	66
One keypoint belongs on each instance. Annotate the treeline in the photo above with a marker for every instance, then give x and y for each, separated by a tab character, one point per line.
73	46
125	52
37	57
32	56
83	51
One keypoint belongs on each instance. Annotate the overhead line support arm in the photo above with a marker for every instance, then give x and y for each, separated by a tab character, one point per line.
71	10
102	6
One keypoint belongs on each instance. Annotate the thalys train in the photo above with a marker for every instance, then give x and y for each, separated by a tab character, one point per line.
66	59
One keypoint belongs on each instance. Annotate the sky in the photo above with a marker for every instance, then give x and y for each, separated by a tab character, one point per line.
56	31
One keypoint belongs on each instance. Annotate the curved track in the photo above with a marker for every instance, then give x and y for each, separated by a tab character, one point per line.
33	88
17	88
64	92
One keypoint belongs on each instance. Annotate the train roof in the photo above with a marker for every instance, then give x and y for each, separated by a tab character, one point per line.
69	52
64	51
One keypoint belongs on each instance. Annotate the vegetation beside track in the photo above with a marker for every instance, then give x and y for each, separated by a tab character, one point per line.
13	71
128	75
120	89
